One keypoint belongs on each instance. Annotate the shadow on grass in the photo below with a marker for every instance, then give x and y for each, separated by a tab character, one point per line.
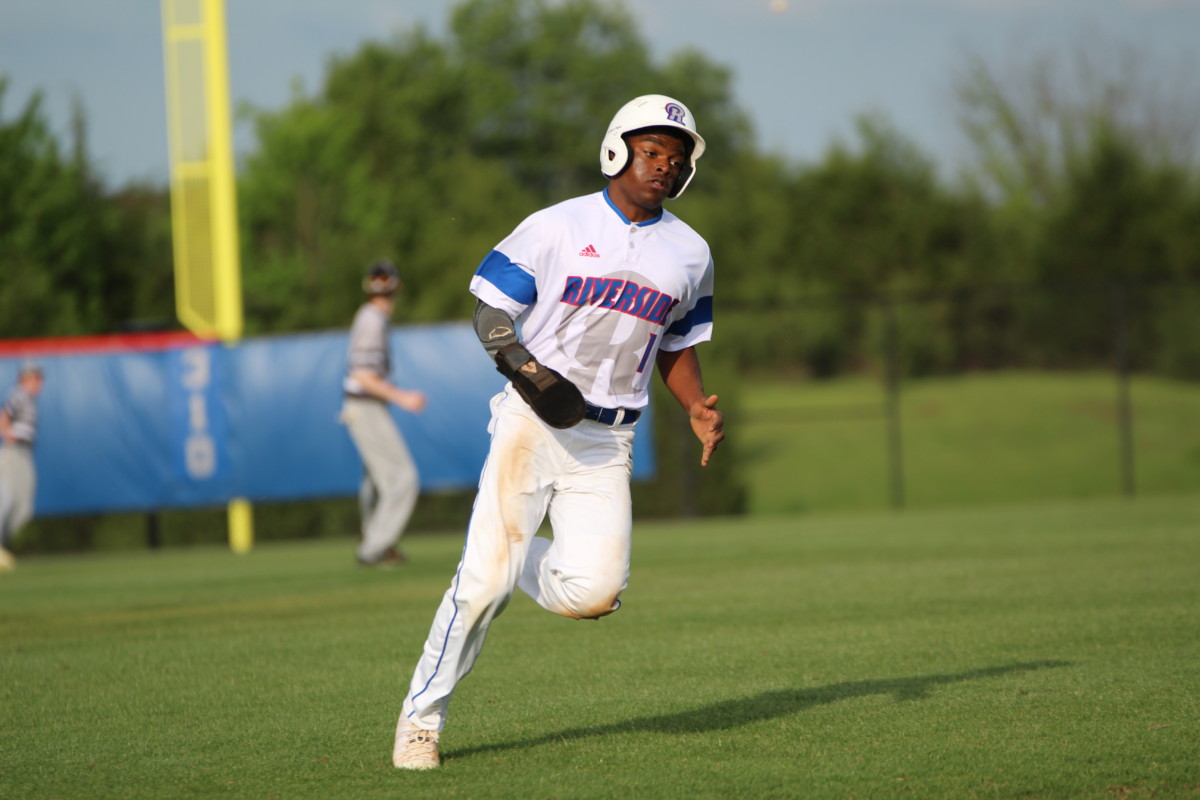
763	706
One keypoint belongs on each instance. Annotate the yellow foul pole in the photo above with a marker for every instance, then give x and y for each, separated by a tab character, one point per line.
208	284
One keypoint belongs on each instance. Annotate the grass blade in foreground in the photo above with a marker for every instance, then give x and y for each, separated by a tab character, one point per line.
1037	651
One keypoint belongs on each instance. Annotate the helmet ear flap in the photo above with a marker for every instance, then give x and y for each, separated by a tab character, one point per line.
614	156
685	177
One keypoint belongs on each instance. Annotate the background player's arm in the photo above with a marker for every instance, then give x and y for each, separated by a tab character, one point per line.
6	425
376	385
680	371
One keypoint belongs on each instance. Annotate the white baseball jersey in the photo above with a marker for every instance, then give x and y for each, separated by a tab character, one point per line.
596	296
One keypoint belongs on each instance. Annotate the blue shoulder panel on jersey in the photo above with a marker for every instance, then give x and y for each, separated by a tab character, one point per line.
498	270
700	314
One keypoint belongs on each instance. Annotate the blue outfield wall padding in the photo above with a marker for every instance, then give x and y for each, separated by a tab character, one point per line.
200	424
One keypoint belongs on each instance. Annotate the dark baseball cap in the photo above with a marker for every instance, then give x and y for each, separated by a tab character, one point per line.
382	278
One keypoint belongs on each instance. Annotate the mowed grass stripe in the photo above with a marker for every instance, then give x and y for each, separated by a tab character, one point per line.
1019	651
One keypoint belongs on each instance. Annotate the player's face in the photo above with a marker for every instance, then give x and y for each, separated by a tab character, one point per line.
657	159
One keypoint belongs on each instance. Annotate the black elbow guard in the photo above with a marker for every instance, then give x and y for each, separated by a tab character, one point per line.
494	328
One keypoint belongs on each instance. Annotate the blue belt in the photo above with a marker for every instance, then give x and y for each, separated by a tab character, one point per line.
611	416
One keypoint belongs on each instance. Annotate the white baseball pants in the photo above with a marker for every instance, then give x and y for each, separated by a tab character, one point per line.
580	476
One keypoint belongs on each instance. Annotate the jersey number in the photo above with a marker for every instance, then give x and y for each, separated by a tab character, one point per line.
646	355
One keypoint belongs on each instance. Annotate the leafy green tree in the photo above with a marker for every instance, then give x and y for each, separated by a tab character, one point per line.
74	260
1089	167
140	272
428	152
49	225
1122	222
1054	124
1121	217
829	241
1028	124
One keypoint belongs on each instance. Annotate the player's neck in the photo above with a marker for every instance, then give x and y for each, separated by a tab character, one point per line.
633	211
383	303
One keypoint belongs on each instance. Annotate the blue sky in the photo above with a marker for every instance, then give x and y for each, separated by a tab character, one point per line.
803	69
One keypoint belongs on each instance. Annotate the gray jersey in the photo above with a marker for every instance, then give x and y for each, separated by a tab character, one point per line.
368	347
22	412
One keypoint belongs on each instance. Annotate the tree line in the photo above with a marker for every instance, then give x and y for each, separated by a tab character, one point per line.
428	150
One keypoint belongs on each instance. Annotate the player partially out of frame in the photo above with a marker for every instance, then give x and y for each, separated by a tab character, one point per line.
605	287
18	475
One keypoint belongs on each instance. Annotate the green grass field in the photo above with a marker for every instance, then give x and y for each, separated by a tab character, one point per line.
1035	651
976	439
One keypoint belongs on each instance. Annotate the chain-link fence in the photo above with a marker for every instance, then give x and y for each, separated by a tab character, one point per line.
1069	390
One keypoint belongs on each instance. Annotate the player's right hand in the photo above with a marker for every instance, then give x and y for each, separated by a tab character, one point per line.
555	400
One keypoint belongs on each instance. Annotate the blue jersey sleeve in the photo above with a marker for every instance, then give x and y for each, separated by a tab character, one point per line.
503	284
699	315
694	324
498	270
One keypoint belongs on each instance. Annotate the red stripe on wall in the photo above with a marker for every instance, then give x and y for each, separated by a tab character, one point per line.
109	343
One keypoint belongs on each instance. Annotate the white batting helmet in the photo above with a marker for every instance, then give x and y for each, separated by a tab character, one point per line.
649	111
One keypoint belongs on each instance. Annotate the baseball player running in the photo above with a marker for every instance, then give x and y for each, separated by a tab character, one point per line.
390	484
604	287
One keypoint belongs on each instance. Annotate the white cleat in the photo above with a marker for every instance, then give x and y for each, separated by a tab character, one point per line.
415	748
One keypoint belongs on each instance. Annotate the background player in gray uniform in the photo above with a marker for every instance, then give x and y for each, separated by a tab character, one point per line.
18	478
390	482
604	287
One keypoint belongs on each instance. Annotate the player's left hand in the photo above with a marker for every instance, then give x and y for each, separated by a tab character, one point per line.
708	424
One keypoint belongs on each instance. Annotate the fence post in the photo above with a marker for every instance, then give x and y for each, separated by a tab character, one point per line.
1120	296
892	381
153	536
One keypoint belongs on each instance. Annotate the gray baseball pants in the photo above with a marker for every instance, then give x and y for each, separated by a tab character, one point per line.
18	480
390	487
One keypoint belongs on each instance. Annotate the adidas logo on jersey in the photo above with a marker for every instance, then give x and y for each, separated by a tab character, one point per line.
589	251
